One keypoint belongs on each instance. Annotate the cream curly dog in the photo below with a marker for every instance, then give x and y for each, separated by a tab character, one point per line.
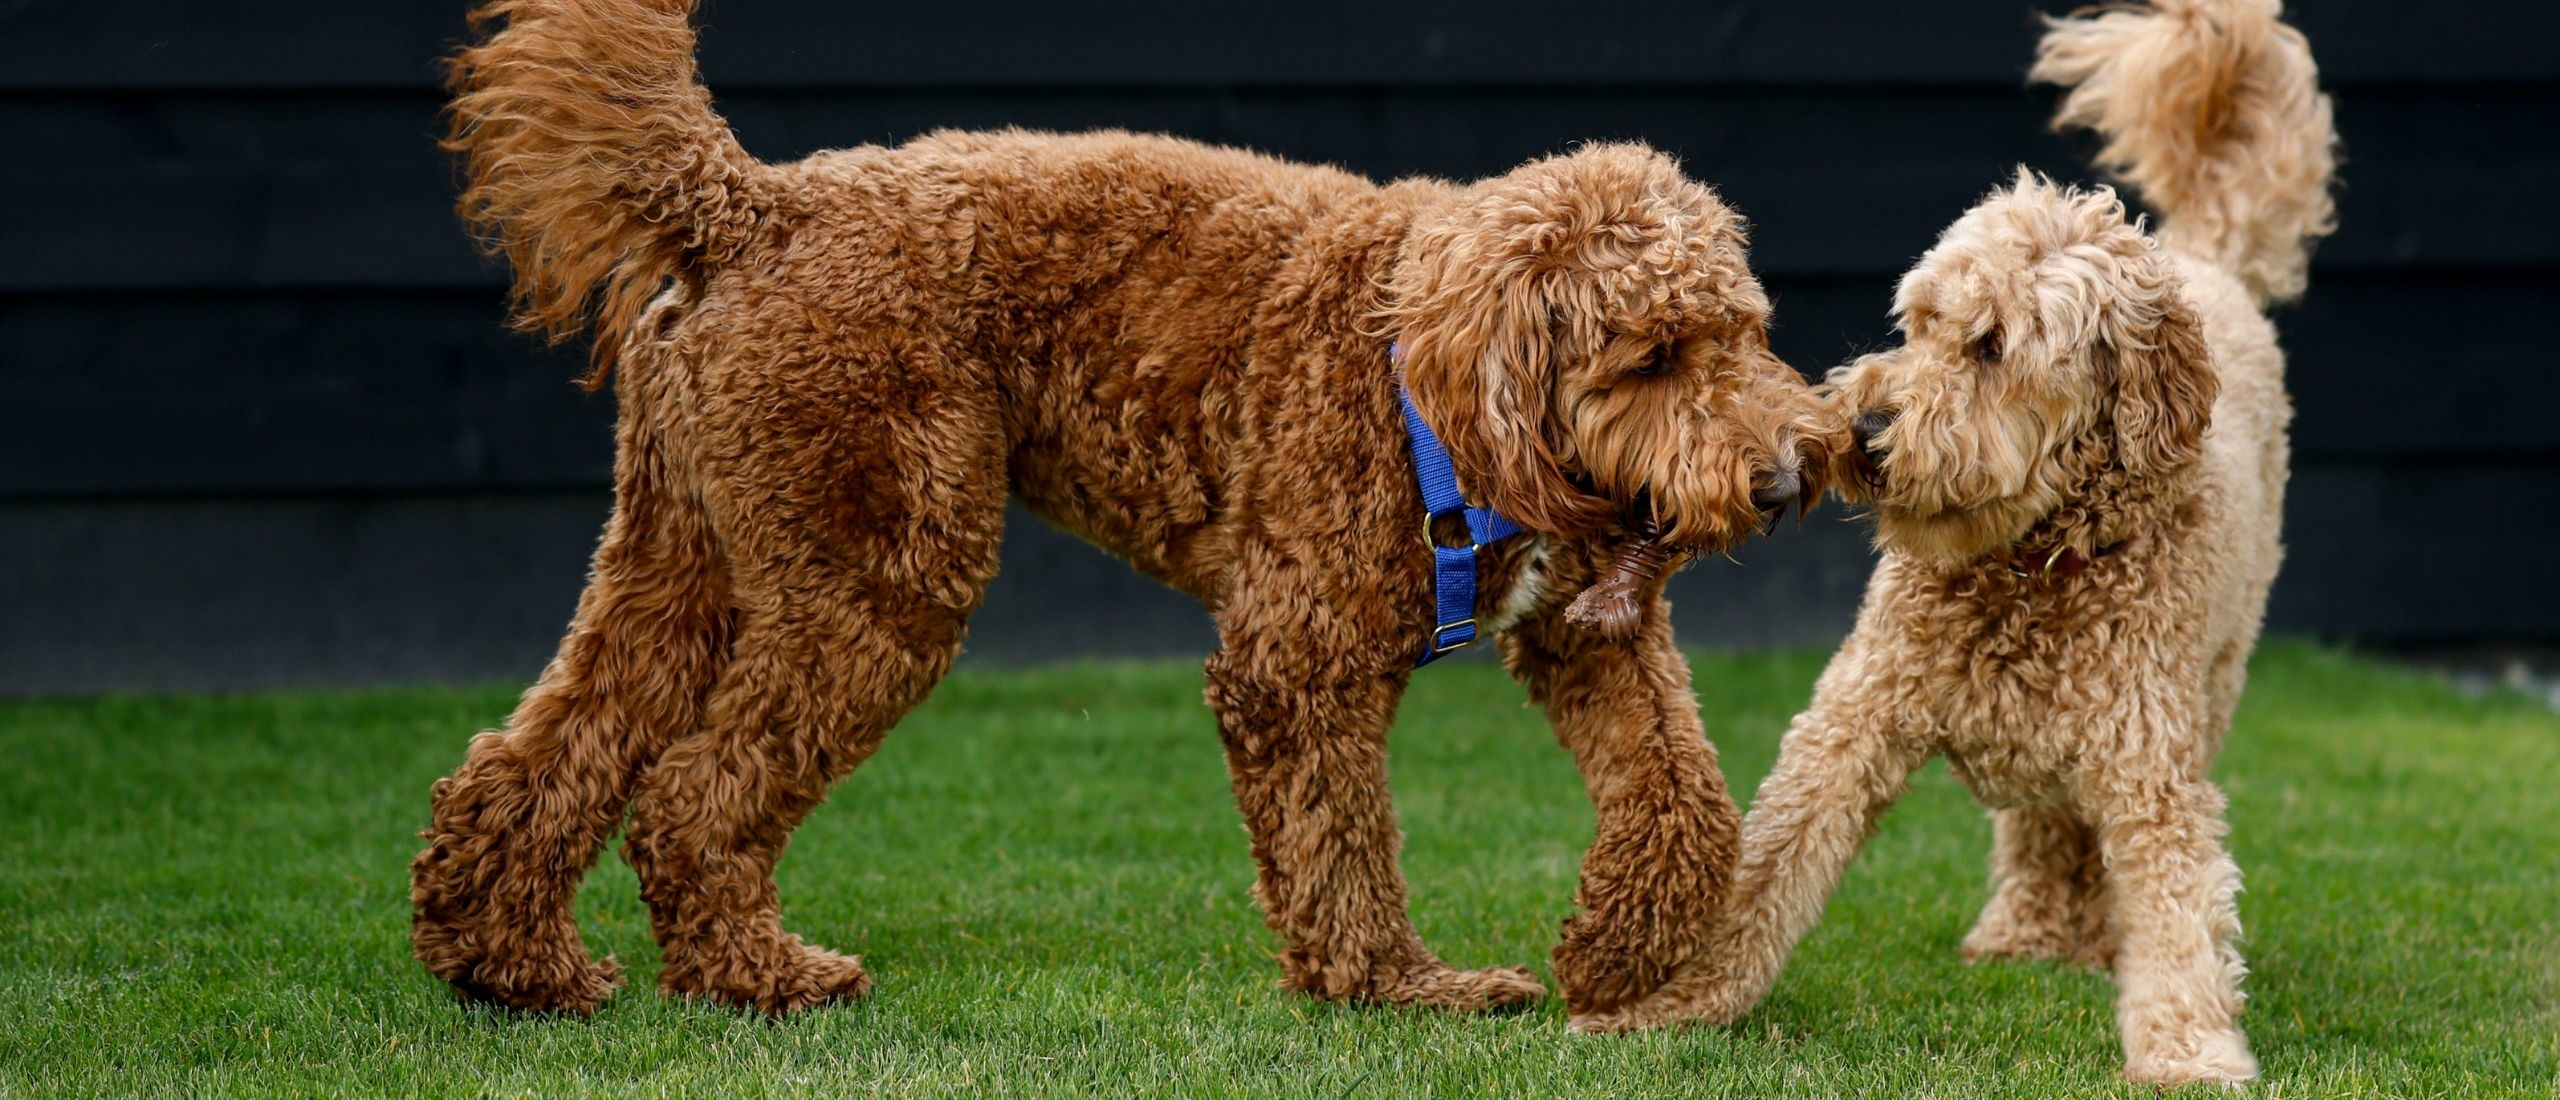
2078	468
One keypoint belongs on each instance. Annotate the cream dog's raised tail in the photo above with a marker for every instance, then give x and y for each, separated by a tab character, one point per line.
2212	110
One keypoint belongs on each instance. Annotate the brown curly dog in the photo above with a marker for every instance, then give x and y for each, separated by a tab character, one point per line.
2078	469
831	374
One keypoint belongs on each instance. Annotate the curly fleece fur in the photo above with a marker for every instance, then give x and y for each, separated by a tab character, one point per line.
2070	391
832	373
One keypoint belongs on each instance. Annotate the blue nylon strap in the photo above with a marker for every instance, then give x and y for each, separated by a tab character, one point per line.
1453	569
1487	526
1440	495
1453	584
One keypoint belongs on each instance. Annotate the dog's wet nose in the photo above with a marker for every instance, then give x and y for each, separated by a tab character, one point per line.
1783	489
1868	426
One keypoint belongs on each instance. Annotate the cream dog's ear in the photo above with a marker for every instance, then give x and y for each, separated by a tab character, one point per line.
2165	385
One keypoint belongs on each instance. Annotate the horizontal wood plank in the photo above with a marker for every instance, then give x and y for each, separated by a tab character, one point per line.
2431	555
264	394
233	395
230	595
216	193
274	44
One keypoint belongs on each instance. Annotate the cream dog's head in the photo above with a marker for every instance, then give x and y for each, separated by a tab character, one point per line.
1587	337
2049	361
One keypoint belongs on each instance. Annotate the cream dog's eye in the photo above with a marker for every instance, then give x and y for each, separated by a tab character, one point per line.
1986	348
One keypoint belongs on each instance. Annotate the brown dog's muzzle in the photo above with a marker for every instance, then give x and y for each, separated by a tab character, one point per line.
1784	489
1613	607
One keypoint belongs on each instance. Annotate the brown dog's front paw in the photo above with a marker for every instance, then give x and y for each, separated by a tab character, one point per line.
1616	1021
800	976
1653	882
1694	994
1455	990
1642	1015
1412	978
566	984
1649	895
1599	977
534	967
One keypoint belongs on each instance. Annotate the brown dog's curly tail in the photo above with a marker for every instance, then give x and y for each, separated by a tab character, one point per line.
2212	110
596	164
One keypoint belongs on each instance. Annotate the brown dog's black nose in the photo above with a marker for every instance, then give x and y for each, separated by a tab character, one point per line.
1783	489
1868	426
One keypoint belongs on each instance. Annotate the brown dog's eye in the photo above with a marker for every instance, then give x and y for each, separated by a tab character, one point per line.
1986	348
1650	367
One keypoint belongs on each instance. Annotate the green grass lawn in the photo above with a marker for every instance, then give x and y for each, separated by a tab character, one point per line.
1048	881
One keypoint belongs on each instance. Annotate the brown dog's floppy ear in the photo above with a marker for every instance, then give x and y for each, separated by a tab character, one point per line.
2165	387
1486	288
1474	299
1479	360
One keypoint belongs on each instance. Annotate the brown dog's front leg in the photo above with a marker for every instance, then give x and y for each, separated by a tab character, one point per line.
1306	740
1658	869
1837	773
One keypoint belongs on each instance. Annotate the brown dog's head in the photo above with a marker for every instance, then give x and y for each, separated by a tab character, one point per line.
2048	357
1586	336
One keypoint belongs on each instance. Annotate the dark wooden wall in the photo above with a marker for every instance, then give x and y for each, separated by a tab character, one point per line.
259	422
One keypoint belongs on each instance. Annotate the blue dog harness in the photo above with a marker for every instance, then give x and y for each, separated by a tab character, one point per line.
1453	569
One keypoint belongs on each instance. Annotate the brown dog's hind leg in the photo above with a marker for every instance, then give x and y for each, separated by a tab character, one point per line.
1303	708
806	699
1660	865
521	822
2047	899
846	620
